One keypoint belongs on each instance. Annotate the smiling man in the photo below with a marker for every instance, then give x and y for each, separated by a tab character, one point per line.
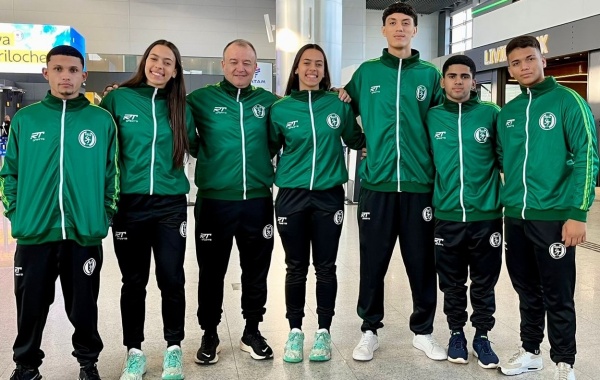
59	186
392	95
234	176
548	150
468	226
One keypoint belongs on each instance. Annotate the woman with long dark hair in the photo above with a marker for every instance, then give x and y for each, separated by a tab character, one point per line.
156	134
310	122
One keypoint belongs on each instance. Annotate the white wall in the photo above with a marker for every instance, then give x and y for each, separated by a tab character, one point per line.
425	41
529	16
353	32
197	27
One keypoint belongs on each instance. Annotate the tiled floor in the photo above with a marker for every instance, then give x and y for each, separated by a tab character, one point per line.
395	359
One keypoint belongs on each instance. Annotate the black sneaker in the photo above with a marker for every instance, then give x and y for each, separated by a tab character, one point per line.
24	373
256	345
208	353
89	372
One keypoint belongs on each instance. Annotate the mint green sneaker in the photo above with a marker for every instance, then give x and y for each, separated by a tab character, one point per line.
135	366
294	347
173	364
321	350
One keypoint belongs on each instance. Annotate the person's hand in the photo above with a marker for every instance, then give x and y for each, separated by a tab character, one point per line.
109	88
342	94
573	232
364	153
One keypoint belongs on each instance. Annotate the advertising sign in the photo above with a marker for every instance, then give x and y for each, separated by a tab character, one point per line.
23	47
263	77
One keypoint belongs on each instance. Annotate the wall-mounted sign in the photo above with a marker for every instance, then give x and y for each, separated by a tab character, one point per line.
23	47
263	77
497	55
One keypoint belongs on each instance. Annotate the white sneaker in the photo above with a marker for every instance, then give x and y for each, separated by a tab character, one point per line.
522	362
430	347
365	348
564	371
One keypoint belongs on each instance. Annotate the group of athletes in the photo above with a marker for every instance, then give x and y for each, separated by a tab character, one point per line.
430	179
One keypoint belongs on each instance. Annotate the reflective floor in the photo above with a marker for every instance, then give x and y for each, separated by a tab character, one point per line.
395	359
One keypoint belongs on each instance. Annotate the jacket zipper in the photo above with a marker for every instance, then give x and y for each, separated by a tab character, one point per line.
61	171
460	156
526	154
153	143
398	121
314	136
243	141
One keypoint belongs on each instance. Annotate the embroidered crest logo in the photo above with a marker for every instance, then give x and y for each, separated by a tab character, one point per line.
333	120
557	250
87	139
421	93
89	266
268	231
496	239
258	111
547	121
482	135
338	218
427	214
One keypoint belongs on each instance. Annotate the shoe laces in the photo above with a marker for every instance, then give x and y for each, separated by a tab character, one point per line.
172	359
320	341
365	340
485	345
457	341
294	341
563	371
518	355
134	363
258	338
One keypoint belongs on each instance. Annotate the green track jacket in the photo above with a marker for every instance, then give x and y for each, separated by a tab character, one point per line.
548	149
60	179
392	97
309	125
467	179
146	141
233	157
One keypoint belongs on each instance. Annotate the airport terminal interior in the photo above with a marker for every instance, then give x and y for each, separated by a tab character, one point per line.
116	32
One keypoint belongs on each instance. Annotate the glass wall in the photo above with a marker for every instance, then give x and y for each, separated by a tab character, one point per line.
461	31
120	63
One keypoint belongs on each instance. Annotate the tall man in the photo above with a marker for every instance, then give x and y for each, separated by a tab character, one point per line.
234	176
392	95
59	186
548	149
468	225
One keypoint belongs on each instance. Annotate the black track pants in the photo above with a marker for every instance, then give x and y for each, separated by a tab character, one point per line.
147	224
542	272
463	250
308	219
36	269
217	223
384	218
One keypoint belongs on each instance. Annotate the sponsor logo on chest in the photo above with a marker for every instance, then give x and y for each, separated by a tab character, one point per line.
130	118
38	136
292	124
